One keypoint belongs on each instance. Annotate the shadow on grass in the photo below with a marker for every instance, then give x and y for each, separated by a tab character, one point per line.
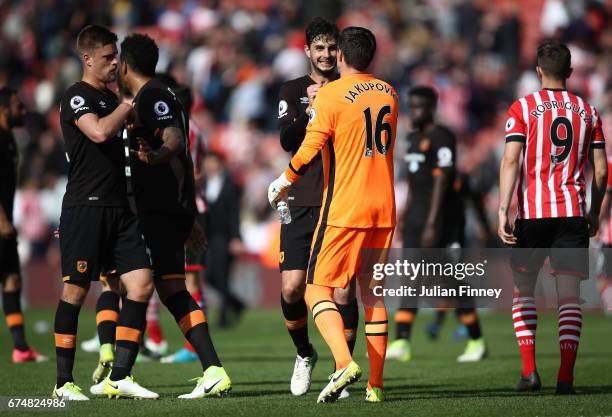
259	393
553	355
259	359
426	394
271	382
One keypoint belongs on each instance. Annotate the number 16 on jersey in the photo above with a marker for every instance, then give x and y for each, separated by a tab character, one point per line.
381	126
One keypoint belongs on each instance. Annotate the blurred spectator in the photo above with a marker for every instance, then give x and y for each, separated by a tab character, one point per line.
223	232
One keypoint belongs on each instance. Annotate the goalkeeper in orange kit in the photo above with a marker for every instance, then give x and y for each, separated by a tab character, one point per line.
353	123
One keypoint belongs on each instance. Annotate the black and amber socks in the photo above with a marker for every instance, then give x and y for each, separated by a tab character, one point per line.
107	314
192	321
404	318
11	303
66	323
296	320
132	321
469	318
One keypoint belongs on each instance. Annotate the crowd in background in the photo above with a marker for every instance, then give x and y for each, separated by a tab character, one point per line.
234	54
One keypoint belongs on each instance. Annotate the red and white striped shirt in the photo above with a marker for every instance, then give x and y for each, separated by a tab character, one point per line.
557	128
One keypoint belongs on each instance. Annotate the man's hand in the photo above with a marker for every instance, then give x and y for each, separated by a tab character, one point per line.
130	121
311	93
144	152
593	222
505	229
196	242
6	229
276	188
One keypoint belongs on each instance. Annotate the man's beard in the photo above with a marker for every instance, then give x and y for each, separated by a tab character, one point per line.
325	73
111	76
122	87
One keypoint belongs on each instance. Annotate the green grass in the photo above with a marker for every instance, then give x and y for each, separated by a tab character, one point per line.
258	356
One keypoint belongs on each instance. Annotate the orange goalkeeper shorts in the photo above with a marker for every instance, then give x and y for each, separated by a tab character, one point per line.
336	253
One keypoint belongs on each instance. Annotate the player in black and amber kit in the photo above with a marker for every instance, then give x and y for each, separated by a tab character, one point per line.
164	191
435	214
97	229
12	111
304	200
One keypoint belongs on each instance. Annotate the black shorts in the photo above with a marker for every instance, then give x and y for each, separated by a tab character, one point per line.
96	239
9	258
165	236
195	262
564	240
296	238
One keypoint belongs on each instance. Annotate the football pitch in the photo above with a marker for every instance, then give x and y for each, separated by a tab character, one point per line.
259	357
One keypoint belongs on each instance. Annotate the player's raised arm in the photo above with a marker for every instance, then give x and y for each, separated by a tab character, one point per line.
318	131
98	129
99	68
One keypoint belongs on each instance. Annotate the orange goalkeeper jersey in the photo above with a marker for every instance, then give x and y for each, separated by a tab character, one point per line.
353	122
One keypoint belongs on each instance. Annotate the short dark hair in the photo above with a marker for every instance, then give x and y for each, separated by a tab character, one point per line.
5	96
141	53
358	46
425	92
319	26
93	37
555	59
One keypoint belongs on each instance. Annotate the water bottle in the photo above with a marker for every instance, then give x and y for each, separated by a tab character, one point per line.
283	212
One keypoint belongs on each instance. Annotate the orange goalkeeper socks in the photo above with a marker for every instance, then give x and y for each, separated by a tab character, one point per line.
329	322
376	338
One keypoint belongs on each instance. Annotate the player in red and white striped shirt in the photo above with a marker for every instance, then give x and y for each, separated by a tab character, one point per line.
557	129
557	132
